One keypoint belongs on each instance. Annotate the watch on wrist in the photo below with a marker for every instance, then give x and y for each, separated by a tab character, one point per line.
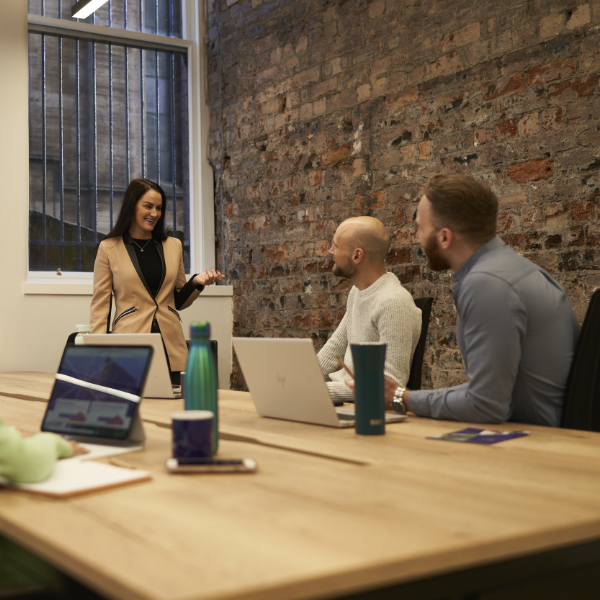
398	405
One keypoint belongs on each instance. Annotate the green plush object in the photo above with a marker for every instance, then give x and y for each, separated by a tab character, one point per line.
28	460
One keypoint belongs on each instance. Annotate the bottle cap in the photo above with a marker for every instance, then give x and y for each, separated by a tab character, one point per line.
200	329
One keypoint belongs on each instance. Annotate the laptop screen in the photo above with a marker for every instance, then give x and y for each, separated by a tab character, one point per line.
97	391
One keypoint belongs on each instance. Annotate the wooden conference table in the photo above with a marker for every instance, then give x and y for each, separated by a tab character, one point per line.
328	514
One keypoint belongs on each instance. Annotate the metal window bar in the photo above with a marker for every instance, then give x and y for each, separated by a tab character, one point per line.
142	93
168	7
172	112
61	174
61	148
110	122
173	162
157	98
171	19
171	68
143	111
95	148
127	151
78	138
44	156
156	138
65	243
44	152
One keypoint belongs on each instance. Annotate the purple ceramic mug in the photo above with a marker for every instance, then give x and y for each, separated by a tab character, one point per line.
192	433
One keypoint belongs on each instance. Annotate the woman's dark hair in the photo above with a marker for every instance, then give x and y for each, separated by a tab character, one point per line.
136	189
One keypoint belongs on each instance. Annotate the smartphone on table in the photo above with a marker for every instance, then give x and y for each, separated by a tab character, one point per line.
211	465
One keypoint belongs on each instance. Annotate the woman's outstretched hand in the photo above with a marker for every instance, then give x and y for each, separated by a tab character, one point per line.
209	277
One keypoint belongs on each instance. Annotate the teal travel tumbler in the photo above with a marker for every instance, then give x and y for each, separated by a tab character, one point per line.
369	360
201	377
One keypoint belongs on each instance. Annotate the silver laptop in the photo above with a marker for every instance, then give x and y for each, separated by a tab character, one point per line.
158	382
286	382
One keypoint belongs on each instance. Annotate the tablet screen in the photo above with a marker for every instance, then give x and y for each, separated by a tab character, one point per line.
97	391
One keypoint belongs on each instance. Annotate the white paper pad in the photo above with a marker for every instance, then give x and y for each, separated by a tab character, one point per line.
99	451
73	477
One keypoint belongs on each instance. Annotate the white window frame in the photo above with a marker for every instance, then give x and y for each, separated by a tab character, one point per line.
201	193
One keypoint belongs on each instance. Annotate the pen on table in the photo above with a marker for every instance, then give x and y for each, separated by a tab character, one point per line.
119	463
345	367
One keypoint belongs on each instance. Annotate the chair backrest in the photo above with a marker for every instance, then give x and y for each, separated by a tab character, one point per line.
414	381
581	409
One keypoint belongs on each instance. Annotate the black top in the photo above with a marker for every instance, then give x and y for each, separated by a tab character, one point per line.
151	265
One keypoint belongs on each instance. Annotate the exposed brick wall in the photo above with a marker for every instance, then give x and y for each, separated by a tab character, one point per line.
325	110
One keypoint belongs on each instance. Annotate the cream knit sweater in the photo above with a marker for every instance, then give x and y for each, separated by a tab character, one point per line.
383	312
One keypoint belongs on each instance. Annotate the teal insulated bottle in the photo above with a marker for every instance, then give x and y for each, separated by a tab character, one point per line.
369	395
201	377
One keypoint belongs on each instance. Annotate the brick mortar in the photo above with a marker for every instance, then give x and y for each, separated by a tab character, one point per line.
324	111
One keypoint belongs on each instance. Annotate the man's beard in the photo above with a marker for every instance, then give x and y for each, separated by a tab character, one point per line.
346	271
434	256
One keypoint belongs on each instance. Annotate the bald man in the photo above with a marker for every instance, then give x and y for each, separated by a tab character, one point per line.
379	309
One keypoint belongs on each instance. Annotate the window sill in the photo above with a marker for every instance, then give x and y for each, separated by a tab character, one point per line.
54	288
84	288
218	290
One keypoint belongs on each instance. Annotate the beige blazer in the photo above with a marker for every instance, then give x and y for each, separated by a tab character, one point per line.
117	270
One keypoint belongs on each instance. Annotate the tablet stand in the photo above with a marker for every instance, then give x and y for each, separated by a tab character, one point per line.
136	436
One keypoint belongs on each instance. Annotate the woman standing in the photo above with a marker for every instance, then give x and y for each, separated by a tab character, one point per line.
142	265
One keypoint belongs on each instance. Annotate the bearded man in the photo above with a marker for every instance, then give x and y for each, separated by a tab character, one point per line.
378	309
515	327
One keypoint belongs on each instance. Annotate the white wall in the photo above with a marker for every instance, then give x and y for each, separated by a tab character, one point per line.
15	329
44	320
36	318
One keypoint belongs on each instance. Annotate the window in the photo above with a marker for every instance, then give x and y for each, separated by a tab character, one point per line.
105	107
161	17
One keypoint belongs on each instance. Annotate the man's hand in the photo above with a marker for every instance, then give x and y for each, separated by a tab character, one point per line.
390	386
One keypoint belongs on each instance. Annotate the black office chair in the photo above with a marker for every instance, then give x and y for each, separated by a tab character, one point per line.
581	409
71	338
414	381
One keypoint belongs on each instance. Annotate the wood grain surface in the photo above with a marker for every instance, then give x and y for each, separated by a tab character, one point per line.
328	512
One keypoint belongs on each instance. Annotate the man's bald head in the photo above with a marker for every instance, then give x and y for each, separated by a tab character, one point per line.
366	233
